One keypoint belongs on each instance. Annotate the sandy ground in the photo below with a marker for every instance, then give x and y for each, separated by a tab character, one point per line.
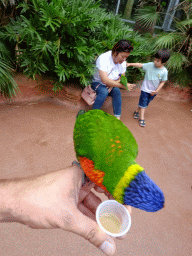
37	137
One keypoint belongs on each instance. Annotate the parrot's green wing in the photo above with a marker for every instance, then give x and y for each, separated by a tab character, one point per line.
124	81
106	141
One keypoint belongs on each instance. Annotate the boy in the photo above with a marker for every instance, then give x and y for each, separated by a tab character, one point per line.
155	77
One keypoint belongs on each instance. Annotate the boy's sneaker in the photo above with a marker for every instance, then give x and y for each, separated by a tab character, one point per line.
142	123
136	115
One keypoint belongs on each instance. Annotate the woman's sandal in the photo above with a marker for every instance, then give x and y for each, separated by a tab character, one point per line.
136	115
142	123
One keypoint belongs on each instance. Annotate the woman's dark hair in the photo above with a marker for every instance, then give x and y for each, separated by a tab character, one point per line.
163	54
122	46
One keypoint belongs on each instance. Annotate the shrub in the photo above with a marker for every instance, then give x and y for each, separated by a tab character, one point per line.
179	42
8	86
56	37
61	38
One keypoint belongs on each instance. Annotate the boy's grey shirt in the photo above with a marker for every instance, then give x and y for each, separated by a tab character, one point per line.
153	77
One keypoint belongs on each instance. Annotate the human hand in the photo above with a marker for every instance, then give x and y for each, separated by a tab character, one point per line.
153	93
130	86
58	200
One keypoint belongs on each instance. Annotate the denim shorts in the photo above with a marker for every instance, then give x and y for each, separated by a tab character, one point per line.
145	99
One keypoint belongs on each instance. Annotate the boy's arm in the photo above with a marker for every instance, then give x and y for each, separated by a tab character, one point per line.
136	65
158	88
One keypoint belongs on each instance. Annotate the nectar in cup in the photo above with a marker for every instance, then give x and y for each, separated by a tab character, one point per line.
111	223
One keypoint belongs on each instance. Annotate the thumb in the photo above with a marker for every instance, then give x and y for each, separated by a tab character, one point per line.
88	229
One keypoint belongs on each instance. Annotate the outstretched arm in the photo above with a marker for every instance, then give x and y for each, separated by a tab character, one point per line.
55	200
136	65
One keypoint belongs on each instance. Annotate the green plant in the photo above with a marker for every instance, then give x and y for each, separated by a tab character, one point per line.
61	39
113	29
128	9
58	38
179	42
8	86
148	14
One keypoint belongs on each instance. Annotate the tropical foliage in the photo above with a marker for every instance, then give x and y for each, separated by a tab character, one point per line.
179	42
62	38
8	86
148	14
55	37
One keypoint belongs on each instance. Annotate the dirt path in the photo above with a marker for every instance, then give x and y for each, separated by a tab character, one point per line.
37	138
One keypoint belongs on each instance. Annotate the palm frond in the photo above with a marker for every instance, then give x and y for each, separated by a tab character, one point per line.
183	78
168	40
187	22
4	53
184	25
147	16
8	86
177	62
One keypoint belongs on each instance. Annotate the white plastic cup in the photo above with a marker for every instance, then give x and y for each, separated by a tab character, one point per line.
113	218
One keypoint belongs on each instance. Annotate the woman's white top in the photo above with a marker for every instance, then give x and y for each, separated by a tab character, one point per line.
105	63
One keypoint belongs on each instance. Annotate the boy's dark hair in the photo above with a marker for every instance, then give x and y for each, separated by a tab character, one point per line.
163	54
122	46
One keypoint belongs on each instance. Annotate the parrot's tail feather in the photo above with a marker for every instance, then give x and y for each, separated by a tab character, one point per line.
81	112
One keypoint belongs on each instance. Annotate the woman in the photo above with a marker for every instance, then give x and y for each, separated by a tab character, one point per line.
106	80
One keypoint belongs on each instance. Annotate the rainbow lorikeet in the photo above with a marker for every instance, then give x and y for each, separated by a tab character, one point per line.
106	151
123	81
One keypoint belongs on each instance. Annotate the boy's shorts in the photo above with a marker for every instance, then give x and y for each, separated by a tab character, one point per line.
145	99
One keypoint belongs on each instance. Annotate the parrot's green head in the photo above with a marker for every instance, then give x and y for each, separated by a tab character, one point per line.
107	150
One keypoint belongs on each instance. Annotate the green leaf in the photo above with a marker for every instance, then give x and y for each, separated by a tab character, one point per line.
176	62
183	78
62	73
168	40
8	86
147	16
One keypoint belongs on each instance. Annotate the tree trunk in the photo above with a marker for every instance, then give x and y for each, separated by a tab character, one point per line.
128	9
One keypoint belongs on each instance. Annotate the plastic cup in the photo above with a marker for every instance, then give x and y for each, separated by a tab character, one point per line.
113	218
